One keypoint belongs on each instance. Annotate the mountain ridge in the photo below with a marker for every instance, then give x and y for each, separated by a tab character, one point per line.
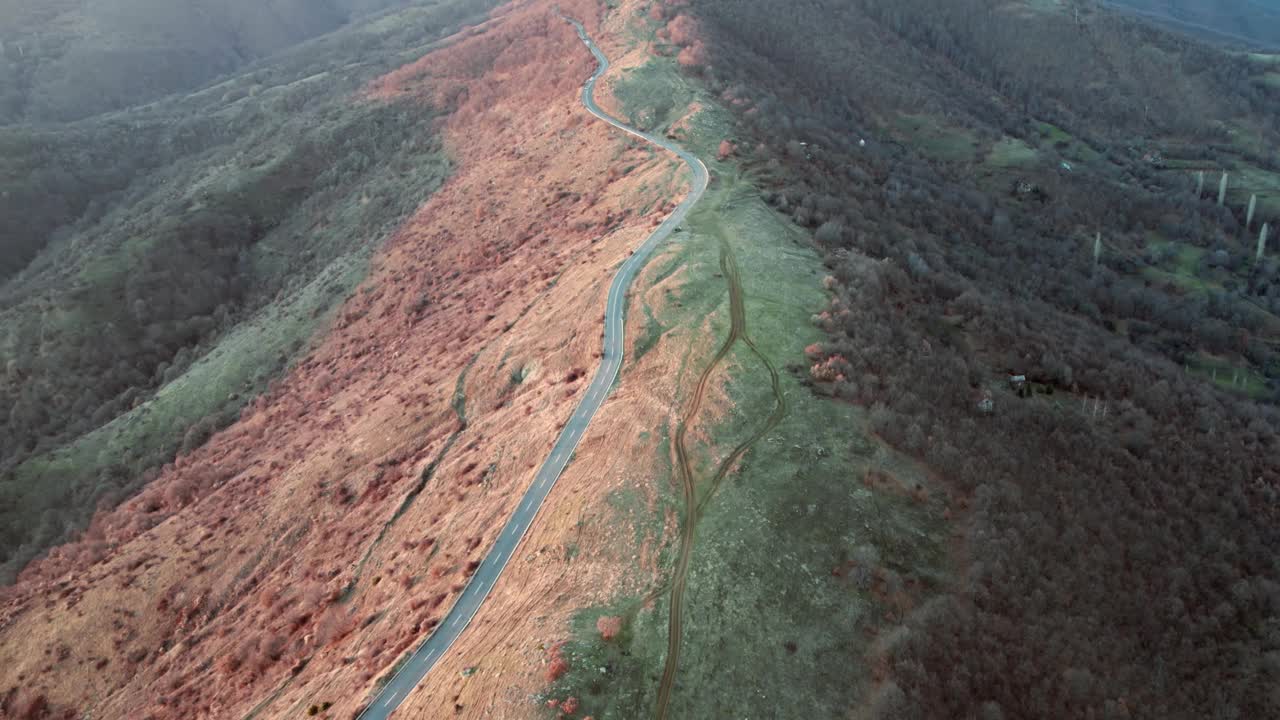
78	58
1251	22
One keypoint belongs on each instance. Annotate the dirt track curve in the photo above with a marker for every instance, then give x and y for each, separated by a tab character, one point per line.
695	507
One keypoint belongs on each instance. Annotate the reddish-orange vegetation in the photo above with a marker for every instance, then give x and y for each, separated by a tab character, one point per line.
682	30
25	705
680	36
609	626
694	56
725	150
252	565
557	665
833	369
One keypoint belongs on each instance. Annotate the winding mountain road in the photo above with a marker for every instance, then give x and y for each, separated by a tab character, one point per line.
437	645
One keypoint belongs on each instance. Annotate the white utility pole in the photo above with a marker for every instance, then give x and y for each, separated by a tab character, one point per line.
1222	188
1248	216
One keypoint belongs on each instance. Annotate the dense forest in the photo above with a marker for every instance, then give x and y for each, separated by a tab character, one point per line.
1116	510
159	267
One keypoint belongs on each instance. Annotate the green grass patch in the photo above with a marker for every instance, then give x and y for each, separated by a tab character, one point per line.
1180	164
657	94
1189	283
1053	133
1230	376
1246	180
604	674
761	589
653	95
935	140
1011	152
1248	140
1064	142
649	335
1181	258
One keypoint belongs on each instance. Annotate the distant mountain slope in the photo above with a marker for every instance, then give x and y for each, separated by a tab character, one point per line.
210	230
1250	21
69	59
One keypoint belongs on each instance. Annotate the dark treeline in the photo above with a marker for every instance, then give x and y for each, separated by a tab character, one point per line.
1092	74
132	319
1119	195
1098	66
1120	524
49	178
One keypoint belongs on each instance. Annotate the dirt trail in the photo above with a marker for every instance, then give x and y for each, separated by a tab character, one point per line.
459	405
695	507
460	410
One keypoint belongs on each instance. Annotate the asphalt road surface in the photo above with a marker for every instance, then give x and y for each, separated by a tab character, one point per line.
437	645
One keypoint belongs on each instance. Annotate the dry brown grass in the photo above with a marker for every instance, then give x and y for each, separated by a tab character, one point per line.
221	581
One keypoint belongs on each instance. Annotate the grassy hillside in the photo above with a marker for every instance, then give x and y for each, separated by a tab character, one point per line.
183	253
808	532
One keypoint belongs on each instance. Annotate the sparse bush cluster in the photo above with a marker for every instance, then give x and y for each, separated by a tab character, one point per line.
557	663
609	626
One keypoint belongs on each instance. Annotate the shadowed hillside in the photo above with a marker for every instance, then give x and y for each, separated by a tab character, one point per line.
1035	290
68	59
166	263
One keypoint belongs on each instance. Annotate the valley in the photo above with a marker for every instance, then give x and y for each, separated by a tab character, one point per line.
855	363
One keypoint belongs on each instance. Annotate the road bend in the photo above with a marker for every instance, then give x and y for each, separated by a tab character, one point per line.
481	583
